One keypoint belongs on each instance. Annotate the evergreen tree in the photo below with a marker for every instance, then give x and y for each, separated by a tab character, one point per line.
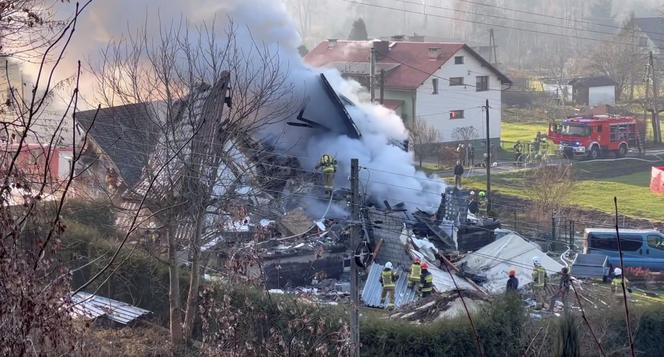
359	31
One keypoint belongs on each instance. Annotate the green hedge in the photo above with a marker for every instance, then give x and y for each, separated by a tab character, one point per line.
499	326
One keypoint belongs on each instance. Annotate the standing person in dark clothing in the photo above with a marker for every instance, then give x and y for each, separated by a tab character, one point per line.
563	289
512	283
458	172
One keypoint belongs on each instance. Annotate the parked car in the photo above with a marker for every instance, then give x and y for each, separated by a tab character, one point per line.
641	248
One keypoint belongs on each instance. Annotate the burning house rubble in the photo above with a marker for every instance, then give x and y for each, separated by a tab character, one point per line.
300	234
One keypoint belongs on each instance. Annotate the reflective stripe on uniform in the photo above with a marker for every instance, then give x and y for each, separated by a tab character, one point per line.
428	283
539	277
415	272
387	276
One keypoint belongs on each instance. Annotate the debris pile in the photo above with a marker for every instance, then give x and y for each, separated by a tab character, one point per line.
440	306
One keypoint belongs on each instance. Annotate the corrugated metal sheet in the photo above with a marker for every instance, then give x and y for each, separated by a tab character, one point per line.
442	281
90	307
372	288
590	266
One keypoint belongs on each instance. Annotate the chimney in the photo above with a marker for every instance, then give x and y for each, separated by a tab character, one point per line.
332	43
398	38
434	52
382	48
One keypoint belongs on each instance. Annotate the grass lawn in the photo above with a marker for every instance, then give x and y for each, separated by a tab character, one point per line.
513	132
632	190
634	196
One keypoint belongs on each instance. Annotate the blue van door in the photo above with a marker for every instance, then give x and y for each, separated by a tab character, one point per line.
654	249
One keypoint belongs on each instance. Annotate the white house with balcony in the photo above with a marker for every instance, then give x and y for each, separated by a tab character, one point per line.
445	85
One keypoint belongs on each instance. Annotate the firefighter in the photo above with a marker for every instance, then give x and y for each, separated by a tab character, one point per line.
473	204
518	152
539	282
415	273
563	289
328	166
426	281
388	280
543	149
483	204
616	284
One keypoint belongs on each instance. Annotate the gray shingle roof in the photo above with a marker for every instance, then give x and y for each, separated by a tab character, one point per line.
653	27
126	133
388	227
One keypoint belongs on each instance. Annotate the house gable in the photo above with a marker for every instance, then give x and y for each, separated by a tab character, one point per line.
407	64
460	106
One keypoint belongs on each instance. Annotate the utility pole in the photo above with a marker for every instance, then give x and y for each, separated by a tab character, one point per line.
354	242
656	128
488	160
372	72
382	86
492	45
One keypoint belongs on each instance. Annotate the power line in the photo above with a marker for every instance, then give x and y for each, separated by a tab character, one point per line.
573	28
567	36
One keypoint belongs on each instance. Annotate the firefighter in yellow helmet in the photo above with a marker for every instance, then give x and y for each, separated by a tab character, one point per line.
539	282
616	285
388	279
328	166
415	273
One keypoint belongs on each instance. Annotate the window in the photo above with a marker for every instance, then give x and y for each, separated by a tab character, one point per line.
458	60
456	81
482	83
643	41
434	82
575	130
656	242
608	241
456	114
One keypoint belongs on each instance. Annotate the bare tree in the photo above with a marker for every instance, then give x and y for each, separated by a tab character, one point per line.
620	59
550	187
206	96
26	25
422	137
34	289
465	134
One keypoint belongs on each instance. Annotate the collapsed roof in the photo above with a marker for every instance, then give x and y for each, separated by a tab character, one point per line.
394	243
128	134
511	252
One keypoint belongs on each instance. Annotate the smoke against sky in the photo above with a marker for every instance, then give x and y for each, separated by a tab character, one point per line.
280	24
388	172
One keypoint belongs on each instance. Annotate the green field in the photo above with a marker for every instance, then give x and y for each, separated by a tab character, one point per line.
513	132
597	184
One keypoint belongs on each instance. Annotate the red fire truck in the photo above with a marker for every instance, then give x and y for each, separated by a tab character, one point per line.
596	136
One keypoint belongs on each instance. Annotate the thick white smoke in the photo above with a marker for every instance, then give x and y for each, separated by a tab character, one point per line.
388	172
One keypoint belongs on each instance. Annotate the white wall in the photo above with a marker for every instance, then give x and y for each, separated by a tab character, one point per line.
602	95
435	108
64	164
